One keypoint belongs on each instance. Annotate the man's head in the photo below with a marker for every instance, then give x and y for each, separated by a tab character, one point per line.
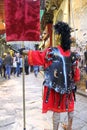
63	31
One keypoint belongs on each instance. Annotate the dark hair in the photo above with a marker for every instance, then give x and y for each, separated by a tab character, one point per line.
8	53
63	29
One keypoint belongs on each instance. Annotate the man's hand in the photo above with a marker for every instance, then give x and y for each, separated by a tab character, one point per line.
21	51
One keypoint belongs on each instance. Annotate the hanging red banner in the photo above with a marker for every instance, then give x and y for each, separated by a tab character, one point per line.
22	19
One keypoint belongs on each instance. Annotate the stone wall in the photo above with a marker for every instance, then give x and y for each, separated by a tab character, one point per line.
78	18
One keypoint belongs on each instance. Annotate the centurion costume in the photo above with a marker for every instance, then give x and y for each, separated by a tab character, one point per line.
59	75
61	72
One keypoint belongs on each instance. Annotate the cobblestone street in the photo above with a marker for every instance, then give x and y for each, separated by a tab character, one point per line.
11	106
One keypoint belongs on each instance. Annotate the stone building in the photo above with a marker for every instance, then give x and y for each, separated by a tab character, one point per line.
73	12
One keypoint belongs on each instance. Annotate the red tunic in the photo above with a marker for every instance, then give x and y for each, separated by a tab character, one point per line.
38	58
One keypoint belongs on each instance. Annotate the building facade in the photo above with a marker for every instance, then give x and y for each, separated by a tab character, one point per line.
74	12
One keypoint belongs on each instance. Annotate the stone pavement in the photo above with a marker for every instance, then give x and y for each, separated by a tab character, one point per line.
11	106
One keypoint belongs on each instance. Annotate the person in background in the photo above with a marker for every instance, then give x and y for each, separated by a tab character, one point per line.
59	91
1	62
3	65
26	65
14	64
21	64
36	67
85	56
8	61
18	64
36	70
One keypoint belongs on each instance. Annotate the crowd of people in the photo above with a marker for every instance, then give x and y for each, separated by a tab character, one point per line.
13	65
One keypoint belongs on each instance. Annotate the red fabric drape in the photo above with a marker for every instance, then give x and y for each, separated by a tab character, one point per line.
22	19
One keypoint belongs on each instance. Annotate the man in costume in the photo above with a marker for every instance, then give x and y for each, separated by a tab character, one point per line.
85	56
61	72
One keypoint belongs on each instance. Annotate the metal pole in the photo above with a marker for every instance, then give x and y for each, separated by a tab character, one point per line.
24	113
